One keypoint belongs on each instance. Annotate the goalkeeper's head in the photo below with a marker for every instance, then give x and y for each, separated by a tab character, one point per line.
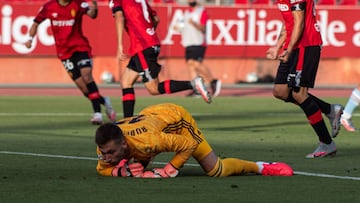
112	144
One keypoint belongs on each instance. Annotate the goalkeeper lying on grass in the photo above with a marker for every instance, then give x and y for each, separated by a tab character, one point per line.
167	128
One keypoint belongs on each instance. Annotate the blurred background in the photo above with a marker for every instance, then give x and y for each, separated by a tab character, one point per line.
239	33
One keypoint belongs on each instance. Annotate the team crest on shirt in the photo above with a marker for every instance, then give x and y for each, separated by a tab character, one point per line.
73	12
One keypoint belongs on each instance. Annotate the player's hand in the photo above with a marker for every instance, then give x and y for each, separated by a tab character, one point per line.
284	56
28	43
168	171
272	53
150	174
135	169
121	56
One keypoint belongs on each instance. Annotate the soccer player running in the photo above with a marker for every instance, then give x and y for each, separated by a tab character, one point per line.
125	148
140	21
298	49
193	38
73	48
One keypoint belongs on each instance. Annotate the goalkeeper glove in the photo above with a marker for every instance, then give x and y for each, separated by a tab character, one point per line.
169	171
131	170
150	174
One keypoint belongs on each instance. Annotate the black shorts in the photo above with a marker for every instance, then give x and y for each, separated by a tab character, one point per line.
76	62
145	63
301	69
195	52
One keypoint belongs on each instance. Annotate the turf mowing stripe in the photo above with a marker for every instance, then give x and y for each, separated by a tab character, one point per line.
163	163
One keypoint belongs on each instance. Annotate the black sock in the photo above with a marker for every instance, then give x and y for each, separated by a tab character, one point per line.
172	86
324	106
313	114
94	96
128	101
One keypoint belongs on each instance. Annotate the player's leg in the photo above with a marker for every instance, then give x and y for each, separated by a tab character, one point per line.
87	76
211	163
147	61
351	105
85	64
303	79
128	79
94	94
281	89
203	70
191	67
73	69
216	167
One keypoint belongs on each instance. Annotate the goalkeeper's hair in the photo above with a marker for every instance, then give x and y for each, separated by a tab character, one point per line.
107	132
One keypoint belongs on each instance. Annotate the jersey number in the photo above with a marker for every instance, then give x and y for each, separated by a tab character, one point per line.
68	65
144	9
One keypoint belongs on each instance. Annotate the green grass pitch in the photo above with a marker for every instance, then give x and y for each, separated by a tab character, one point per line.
47	154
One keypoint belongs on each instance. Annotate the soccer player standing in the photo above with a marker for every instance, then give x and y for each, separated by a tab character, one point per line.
125	148
73	48
140	21
298	49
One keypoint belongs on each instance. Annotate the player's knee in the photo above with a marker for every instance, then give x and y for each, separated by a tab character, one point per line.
87	78
280	94
153	91
152	87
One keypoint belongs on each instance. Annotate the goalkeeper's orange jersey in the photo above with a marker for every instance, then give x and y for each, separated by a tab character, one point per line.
159	128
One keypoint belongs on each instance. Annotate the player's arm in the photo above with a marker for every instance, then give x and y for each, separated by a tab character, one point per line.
298	13
32	33
120	26
156	20
181	145
93	10
183	148
40	17
154	17
273	52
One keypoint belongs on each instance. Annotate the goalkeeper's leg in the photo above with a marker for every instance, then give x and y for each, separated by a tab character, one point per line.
232	166
214	166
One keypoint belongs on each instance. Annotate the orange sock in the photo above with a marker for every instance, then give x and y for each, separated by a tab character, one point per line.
233	166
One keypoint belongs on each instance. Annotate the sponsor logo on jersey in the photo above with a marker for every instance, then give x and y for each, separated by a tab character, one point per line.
62	23
283	7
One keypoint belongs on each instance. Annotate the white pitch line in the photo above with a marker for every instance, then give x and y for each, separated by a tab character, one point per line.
326	175
163	163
